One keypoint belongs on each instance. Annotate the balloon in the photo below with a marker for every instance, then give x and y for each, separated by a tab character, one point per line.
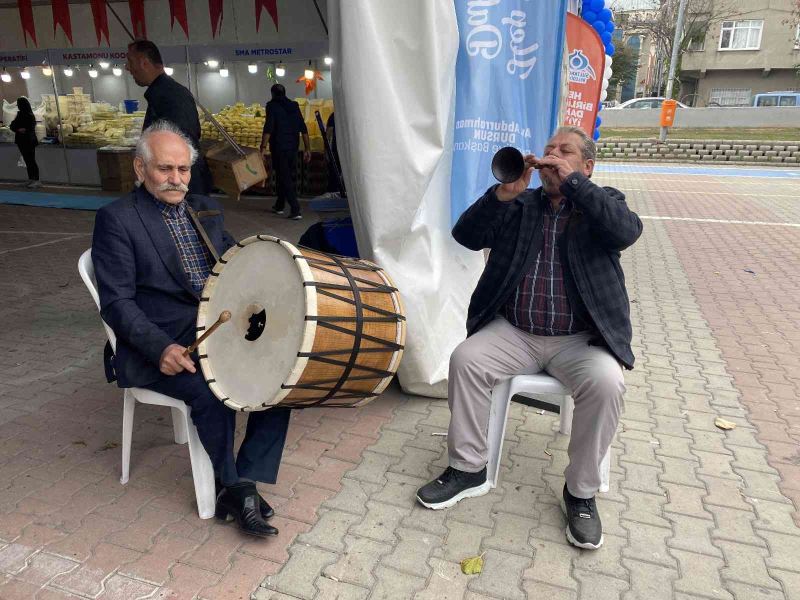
605	15
589	16
607	73
599	27
596	135
597	5
609	59
600	106
610	49
597	122
610	27
603	95
605	84
606	37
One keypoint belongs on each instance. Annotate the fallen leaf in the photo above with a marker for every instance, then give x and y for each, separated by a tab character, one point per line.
472	565
548	453
108	446
724	424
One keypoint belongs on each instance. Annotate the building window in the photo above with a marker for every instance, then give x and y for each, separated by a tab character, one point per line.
741	35
729	97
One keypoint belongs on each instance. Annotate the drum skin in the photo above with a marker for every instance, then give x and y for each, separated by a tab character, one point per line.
307	328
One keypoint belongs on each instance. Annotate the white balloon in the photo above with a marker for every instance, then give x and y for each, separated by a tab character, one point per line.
609	60
608	72
603	95
605	84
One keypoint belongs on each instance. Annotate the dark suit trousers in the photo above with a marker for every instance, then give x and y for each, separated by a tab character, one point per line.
28	152
285	164
260	453
201	181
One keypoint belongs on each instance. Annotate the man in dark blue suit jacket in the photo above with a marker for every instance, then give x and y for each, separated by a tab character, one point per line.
151	265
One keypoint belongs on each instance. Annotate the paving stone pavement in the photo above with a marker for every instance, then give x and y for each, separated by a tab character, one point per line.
693	511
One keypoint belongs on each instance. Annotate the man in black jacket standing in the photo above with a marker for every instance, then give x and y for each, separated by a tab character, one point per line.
552	297
282	129
168	100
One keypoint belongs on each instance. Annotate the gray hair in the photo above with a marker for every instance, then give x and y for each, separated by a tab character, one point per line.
143	145
589	150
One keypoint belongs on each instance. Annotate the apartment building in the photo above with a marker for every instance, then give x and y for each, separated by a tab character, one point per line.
757	50
751	47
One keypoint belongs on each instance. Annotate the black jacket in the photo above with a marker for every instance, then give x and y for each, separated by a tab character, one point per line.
27	122
168	100
600	227
284	124
145	295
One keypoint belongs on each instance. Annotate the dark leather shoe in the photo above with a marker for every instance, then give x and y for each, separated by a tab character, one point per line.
266	510
241	502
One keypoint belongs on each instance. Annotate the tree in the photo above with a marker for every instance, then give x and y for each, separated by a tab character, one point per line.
658	24
624	68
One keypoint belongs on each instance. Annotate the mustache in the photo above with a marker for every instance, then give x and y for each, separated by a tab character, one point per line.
168	187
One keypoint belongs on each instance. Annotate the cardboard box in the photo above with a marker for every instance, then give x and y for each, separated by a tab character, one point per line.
234	173
116	169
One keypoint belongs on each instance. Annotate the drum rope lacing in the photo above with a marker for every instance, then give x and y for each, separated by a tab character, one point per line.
349	365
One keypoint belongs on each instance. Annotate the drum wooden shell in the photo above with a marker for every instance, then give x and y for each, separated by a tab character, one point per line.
333	335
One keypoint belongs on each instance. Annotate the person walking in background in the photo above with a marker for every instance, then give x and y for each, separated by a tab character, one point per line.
168	100
24	128
282	129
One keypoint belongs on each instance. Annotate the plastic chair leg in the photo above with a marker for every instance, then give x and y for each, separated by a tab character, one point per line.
496	431
129	406
202	471
567	406
179	426
605	471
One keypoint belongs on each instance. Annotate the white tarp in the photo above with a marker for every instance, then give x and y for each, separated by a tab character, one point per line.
394	86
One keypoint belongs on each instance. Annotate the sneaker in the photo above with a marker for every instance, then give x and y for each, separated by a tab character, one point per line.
35	184
584	529
295	217
451	486
277	211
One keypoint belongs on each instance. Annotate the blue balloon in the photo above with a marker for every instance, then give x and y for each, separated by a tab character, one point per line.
589	16
597	5
599	27
596	135
597	122
610	49
610	27
606	37
599	107
605	15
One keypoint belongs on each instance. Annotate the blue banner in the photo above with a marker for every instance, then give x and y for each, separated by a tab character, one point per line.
507	86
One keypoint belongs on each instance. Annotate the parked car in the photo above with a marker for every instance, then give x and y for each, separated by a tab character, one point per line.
777	99
652	102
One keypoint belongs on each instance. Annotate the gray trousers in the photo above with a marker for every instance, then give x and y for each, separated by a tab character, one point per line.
499	351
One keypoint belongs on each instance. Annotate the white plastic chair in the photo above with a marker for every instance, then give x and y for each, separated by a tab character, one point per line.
185	430
540	383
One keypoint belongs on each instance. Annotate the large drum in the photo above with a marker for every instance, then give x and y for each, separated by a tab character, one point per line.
306	328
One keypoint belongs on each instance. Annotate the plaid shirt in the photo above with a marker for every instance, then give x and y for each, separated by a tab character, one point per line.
195	257
540	304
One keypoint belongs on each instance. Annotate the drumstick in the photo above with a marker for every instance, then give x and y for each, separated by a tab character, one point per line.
224	317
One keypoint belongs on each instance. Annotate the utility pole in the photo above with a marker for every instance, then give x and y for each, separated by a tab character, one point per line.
673	61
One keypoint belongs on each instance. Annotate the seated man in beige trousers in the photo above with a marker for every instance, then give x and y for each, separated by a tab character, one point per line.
552	297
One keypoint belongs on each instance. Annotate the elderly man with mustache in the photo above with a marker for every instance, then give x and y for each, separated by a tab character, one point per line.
153	251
